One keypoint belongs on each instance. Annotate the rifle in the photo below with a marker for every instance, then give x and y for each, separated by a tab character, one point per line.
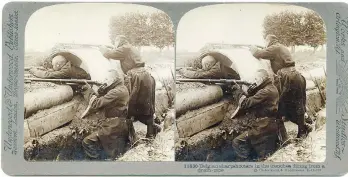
86	45
215	81
64	81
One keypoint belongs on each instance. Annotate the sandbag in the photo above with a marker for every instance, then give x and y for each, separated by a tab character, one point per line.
200	119
50	119
45	98
190	99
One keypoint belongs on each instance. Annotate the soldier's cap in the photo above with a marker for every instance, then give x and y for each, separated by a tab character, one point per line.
121	38
112	77
272	37
261	76
218	56
58	62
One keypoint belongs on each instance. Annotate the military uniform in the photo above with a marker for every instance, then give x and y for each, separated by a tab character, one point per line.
290	83
68	71
261	138
218	71
141	85
116	130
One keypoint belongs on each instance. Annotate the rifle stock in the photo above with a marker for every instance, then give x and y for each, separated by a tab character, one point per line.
214	81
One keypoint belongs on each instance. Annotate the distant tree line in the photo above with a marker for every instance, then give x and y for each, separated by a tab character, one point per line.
296	28
143	29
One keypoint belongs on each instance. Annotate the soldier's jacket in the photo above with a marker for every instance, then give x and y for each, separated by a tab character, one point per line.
68	71
218	71
116	129
278	54
128	56
140	83
114	102
141	86
263	105
264	102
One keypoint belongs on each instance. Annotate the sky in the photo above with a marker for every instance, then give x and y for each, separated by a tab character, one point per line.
74	23
88	23
226	23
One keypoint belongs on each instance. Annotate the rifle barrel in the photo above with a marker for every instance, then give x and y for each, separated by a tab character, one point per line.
214	81
77	81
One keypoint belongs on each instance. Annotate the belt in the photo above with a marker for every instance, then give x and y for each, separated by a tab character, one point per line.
288	68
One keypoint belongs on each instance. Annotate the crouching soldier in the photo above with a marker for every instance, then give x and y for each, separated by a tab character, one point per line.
116	131
141	85
61	69
261	101
211	69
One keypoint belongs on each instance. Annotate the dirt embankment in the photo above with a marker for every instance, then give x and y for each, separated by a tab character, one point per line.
309	149
64	143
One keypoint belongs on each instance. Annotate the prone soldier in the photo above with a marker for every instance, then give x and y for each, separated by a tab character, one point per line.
211	69
61	69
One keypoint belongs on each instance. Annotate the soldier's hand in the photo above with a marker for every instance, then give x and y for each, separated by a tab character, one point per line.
235	87
33	70
253	49
251	89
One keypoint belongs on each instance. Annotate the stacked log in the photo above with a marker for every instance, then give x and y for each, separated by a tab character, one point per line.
46	98
195	97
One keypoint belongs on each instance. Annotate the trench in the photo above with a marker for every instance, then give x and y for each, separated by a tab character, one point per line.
63	143
214	143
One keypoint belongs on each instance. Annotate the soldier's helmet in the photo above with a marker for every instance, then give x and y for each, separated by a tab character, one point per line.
112	77
261	76
58	62
208	62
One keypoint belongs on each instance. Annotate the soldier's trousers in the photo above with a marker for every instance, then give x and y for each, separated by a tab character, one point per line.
261	140
292	92
110	140
92	145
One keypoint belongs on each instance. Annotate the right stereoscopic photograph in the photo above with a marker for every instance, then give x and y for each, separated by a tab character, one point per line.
251	84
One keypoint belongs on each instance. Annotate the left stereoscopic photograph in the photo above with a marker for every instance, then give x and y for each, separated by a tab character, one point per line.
99	83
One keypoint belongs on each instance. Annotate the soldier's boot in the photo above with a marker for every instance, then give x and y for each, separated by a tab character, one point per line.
303	128
133	138
308	119
158	128
282	134
151	129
